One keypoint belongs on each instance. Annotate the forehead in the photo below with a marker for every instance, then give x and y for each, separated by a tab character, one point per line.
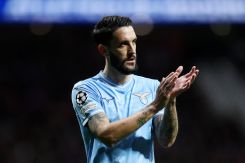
123	34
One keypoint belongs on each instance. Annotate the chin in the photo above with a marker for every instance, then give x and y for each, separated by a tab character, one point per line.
129	70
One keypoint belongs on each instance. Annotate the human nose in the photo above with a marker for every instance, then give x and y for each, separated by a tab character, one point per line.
132	48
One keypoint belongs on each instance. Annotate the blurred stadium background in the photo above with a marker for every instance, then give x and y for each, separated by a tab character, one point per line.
46	48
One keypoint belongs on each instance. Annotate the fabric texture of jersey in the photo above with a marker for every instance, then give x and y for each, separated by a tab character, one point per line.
100	94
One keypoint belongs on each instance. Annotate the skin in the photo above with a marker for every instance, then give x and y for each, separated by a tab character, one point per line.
123	47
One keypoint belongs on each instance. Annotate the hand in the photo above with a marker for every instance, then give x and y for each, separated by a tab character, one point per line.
165	89
184	82
173	85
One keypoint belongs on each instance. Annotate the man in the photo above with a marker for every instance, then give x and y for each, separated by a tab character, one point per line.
119	112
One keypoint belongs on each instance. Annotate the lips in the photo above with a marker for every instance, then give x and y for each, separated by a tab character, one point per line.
131	59
130	62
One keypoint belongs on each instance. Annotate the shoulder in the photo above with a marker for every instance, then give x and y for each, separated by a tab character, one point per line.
86	83
87	87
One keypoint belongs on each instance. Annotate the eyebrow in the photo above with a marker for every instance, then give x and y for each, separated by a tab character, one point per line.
122	41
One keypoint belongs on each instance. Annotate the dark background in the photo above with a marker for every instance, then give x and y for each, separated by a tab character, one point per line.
40	63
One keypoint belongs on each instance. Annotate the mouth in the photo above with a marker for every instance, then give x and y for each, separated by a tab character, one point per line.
130	61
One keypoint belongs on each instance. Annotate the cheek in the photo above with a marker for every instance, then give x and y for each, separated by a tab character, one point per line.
115	57
121	54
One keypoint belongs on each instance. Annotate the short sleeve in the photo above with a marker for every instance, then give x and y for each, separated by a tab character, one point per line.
86	103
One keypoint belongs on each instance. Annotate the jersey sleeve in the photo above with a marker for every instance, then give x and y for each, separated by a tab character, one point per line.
86	103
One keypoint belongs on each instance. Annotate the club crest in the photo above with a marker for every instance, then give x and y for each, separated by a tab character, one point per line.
143	97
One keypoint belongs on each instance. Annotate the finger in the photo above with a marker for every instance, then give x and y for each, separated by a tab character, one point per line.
168	83
171	79
192	79
163	82
187	85
179	70
193	69
194	76
163	79
169	88
197	71
169	75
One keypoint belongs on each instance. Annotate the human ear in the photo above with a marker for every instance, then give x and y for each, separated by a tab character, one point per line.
102	49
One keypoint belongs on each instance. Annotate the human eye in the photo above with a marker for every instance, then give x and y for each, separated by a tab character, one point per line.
135	40
122	44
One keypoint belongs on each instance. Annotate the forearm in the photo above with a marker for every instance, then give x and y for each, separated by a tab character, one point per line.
166	125
111	133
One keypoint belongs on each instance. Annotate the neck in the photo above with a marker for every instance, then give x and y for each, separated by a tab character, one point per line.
115	75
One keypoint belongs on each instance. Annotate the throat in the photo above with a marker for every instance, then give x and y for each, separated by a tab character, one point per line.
117	77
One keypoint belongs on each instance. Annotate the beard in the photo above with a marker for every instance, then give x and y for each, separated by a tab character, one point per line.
120	66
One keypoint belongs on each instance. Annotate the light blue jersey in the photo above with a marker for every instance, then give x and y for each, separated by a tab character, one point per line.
100	94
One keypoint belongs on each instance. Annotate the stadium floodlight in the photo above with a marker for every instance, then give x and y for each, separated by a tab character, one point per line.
87	11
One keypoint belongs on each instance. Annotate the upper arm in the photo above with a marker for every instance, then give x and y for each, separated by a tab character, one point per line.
98	123
99	126
86	104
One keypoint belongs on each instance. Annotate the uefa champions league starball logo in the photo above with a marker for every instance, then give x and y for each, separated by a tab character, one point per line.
81	98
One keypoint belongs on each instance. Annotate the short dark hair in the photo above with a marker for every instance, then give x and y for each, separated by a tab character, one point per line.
103	30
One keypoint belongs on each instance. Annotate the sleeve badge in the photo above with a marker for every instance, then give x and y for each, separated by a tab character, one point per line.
81	98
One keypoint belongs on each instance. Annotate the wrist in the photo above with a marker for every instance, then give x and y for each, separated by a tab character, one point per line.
154	108
171	103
